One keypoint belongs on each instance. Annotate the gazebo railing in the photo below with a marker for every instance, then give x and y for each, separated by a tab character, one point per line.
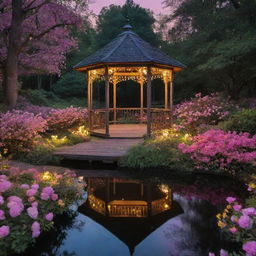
160	119
98	119
127	115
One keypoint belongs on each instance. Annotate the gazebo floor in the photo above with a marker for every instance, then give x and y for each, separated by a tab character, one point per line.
123	131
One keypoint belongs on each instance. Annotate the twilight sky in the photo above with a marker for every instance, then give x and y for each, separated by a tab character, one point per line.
154	5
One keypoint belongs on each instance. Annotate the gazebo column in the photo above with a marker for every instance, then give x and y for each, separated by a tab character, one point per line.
141	100
165	93
171	98
89	99
107	101
149	89
114	99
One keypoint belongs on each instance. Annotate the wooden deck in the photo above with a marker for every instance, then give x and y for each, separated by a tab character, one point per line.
106	150
122	131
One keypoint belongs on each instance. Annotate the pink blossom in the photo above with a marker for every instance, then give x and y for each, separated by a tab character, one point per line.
34	204
2	215
24	186
1	200
211	254
223	253
32	212
233	230
48	190
5	185
237	207
31	192
250	248
231	200
44	196
249	211
35	228
15	206
54	197
49	216
35	186
4	231
31	199
245	221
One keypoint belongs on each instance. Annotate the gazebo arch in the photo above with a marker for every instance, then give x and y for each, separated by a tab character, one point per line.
128	57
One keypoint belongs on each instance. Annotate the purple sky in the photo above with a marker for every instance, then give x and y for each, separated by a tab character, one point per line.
154	5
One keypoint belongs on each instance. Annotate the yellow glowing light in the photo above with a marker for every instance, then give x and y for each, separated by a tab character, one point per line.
166	206
80	178
164	188
81	131
186	136
46	176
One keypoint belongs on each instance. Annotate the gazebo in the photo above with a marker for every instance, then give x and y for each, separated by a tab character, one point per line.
128	57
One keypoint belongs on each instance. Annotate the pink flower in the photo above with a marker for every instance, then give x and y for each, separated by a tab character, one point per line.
223	253
230	200
4	231
245	221
31	199
250	248
14	199
24	186
32	212
54	197
249	211
31	192
15	206
35	228
237	207
44	196
233	230
5	185
1	200
35	186
211	254
49	216
2	215
48	190
34	204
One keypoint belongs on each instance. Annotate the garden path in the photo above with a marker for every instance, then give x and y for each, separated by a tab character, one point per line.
98	149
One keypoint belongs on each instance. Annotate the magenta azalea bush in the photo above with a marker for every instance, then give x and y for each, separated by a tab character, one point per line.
29	201
217	149
200	111
18	130
240	222
62	119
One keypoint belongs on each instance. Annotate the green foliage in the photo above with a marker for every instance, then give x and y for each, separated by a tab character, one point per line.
40	155
71	85
241	121
39	97
155	153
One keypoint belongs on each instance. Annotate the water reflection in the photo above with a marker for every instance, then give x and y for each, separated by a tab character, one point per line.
122	217
129	209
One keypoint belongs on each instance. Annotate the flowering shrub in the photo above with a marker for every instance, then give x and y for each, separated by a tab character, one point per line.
62	119
200	110
240	222
18	130
29	201
217	149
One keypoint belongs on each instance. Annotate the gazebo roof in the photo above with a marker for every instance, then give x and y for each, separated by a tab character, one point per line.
128	49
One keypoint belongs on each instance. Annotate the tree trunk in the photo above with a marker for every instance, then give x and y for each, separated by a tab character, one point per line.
11	85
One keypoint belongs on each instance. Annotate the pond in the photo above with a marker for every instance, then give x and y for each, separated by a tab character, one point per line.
122	216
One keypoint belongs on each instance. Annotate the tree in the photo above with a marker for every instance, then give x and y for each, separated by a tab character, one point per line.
216	39
35	35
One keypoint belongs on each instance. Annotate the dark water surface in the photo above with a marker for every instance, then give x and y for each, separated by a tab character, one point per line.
121	216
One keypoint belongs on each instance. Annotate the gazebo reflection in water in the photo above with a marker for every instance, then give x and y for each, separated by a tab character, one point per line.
129	209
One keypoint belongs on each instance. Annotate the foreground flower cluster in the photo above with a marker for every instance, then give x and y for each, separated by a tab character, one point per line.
19	130
29	201
200	111
240	222
217	149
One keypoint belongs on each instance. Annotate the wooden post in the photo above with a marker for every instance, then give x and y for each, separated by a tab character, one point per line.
141	100
89	99
114	98
165	93
171	98
107	101
149	88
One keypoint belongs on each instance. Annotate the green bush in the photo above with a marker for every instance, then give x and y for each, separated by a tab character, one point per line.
155	153
40	155
39	97
71	85
241	121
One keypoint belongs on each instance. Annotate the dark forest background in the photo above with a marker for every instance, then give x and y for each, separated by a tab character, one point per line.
215	39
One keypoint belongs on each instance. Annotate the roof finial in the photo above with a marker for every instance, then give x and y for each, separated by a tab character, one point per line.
127	26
